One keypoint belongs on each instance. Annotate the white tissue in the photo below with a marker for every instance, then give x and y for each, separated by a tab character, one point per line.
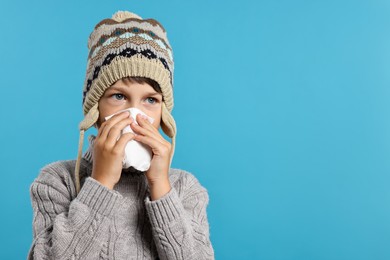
137	154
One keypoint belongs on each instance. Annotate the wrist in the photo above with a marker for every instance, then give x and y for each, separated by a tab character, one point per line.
109	184
158	188
157	181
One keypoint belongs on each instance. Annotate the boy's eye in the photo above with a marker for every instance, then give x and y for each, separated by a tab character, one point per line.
118	96
151	100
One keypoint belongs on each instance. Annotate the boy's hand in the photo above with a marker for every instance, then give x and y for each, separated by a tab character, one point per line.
157	175
109	149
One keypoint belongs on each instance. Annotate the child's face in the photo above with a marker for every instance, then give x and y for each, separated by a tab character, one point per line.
125	94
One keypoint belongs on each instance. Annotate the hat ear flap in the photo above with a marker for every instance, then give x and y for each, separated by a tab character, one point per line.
90	118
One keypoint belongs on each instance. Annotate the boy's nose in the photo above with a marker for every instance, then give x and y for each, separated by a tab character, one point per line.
134	104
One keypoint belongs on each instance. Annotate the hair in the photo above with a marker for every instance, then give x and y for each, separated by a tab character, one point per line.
142	80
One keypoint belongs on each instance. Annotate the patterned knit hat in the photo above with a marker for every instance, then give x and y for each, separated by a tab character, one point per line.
126	46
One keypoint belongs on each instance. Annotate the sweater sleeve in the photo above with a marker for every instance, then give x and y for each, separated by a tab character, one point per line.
179	223
65	228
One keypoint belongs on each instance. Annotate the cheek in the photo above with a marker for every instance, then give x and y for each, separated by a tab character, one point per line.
157	119
104	111
156	123
100	120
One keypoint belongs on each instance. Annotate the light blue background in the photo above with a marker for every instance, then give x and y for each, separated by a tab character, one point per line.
282	110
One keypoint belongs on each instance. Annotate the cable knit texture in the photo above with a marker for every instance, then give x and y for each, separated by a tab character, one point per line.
123	223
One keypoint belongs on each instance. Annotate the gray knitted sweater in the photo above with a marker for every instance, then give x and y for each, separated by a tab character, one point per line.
123	223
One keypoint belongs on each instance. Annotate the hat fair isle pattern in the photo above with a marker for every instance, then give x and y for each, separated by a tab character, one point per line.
127	46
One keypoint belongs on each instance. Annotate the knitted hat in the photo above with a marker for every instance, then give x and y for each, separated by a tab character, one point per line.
126	46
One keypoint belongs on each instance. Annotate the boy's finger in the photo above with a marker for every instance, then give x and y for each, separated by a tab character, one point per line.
144	122
112	121
141	130
123	140
146	133
152	142
116	131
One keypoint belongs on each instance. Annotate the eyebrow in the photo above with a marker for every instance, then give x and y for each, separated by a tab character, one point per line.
116	88
152	94
145	94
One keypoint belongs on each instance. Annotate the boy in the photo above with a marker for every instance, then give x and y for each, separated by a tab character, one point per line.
91	208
